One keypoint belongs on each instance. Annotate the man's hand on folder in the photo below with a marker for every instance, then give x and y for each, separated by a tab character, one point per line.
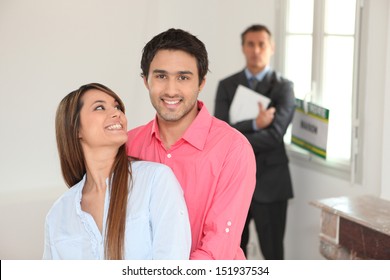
265	116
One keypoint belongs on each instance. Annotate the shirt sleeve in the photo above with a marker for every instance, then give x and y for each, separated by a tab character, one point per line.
47	247
169	218
226	217
254	125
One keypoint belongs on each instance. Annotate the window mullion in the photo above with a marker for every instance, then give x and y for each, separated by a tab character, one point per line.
355	148
280	34
318	50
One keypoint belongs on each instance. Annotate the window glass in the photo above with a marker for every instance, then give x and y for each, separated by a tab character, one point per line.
300	16
337	94
340	17
319	59
298	63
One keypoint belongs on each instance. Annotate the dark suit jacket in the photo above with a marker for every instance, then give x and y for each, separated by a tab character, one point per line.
273	175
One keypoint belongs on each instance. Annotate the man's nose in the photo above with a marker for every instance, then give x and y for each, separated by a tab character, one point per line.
171	87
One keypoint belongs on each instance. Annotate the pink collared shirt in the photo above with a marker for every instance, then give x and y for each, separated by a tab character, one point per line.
216	168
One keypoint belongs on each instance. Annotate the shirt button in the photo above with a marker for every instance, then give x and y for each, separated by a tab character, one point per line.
169	155
227	230
229	223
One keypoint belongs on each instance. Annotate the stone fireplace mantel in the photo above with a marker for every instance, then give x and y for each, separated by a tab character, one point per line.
355	228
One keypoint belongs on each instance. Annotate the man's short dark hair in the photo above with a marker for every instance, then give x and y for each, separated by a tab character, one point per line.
255	28
175	39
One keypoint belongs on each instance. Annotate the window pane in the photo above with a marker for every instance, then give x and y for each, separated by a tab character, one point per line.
300	16
298	63
340	17
337	93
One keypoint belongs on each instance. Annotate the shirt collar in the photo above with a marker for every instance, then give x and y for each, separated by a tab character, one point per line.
260	76
196	133
155	130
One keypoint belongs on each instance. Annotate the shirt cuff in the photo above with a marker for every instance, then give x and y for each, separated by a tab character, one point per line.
254	126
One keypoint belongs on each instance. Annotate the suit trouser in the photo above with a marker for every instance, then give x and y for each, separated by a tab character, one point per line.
270	223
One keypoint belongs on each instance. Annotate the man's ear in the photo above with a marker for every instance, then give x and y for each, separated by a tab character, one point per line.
202	84
272	47
145	82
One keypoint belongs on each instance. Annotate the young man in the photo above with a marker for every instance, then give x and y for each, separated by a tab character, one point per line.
265	133
214	163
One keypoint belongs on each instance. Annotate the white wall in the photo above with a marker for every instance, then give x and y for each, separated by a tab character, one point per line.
386	116
48	48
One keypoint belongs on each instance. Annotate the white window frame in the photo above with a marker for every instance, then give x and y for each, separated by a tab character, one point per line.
352	170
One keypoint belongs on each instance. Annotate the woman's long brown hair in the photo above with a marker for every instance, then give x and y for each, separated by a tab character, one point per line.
73	165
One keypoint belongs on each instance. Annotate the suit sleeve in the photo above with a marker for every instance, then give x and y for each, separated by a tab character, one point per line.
223	101
283	100
226	217
262	140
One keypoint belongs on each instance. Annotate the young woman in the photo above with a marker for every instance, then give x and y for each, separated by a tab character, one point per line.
116	207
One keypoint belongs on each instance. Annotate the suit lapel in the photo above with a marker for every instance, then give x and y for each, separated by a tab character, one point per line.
264	87
242	80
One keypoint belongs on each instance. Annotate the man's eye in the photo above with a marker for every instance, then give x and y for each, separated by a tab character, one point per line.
160	76
183	78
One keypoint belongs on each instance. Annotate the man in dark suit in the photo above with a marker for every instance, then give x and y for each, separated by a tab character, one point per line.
265	133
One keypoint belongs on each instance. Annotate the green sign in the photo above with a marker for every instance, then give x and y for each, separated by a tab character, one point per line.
310	127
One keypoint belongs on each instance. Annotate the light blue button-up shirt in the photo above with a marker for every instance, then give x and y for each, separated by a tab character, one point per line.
259	76
157	224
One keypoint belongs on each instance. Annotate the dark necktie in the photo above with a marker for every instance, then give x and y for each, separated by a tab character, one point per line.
253	83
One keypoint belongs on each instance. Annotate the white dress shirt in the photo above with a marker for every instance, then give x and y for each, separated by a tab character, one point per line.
157	225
